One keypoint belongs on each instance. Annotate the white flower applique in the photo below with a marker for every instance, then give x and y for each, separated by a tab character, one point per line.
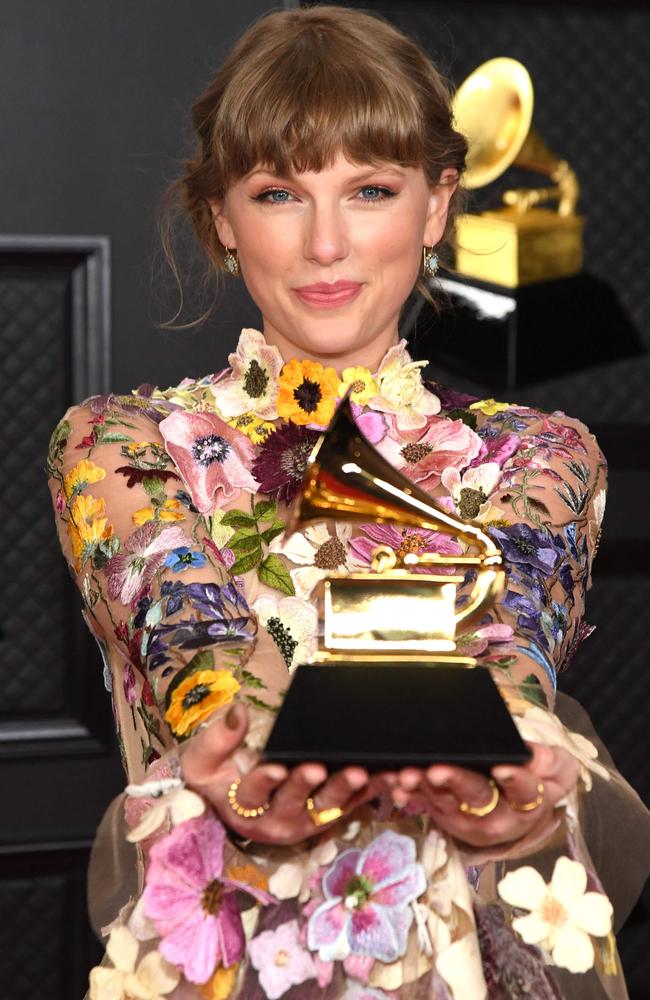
252	386
471	491
292	624
562	916
152	979
402	391
317	553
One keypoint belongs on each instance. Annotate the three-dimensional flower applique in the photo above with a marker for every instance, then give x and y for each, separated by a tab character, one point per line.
401	390
476	642
357	991
539	726
252	385
280	959
192	903
522	544
307	392
132	570
150	979
282	460
472	490
367	907
423	456
212	458
292	624
562	914
253	427
490	406
316	552
361	384
403	541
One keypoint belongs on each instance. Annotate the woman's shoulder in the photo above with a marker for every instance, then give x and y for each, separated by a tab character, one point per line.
529	426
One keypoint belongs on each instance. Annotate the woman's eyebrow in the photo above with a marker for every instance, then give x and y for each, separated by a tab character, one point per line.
386	169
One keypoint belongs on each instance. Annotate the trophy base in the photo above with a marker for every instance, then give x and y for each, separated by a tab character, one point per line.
388	716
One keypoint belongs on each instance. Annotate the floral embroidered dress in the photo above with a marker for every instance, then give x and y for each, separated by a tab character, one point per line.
171	509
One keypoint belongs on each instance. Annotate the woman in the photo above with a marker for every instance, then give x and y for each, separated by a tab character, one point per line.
327	176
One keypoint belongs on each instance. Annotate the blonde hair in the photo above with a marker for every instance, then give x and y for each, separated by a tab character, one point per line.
299	87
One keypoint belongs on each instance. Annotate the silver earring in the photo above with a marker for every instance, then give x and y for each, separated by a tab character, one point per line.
430	262
232	262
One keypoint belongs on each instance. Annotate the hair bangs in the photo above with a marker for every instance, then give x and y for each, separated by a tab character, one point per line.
304	111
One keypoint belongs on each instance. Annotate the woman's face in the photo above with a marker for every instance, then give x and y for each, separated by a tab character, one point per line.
352	223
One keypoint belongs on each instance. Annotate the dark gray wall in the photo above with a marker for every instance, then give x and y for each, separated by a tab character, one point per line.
94	112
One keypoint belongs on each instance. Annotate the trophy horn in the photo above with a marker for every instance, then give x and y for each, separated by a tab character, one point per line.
348	479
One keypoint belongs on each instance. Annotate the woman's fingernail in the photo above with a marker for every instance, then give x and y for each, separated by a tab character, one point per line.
503	774
232	718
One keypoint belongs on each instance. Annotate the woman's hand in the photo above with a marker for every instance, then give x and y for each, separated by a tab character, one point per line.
550	775
215	758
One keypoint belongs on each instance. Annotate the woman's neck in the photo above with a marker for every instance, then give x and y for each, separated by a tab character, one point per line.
368	355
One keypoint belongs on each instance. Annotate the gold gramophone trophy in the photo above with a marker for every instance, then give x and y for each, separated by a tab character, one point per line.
518	243
386	687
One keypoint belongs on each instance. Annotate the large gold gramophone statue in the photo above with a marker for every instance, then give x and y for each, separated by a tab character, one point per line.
518	243
386	686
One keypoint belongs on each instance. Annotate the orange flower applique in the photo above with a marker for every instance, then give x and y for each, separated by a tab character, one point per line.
307	392
82	475
167	510
196	697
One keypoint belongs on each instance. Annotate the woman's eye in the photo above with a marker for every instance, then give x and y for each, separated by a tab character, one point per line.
377	193
264	196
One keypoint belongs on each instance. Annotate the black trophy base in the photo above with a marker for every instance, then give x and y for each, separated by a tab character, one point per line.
388	716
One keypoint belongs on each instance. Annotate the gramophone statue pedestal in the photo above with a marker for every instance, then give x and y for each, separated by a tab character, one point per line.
387	688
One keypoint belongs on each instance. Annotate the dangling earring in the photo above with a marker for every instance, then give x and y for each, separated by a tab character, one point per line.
430	262
232	262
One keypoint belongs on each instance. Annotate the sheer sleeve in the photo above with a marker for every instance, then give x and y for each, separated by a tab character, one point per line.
545	512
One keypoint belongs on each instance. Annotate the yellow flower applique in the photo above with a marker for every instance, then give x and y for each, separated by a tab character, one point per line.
82	475
169	510
196	697
307	392
362	383
220	986
87	527
253	427
489	406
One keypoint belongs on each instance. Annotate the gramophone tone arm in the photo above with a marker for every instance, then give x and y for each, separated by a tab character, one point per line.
566	192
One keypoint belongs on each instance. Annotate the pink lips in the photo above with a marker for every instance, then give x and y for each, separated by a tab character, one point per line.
329	296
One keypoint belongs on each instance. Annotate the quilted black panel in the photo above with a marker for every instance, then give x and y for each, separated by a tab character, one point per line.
34	337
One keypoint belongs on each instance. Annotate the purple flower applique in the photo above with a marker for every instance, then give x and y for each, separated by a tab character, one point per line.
282	460
367	901
212	458
522	544
192	904
498	449
280	959
132	570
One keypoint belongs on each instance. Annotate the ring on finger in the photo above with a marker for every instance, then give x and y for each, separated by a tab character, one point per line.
242	811
524	807
485	810
321	817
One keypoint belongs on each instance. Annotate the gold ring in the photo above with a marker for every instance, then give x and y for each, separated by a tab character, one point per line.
469	810
524	807
323	816
239	809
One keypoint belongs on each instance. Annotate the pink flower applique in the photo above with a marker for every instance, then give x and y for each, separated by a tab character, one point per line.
212	458
367	907
281	960
404	541
371	424
191	903
473	643
356	991
132	570
423	455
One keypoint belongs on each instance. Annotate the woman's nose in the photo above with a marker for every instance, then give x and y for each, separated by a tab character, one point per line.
325	239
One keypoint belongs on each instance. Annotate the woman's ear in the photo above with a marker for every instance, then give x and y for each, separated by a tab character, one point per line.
438	207
222	223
